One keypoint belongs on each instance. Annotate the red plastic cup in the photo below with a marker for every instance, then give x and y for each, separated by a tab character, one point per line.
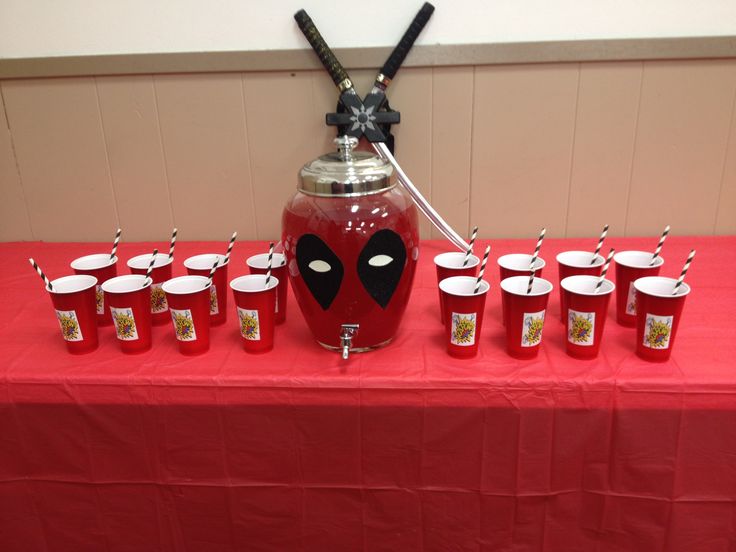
101	267
451	264
517	264
463	314
525	314
256	307
189	303
129	300
258	264
586	314
574	263
74	301
201	265
160	273
658	315
630	266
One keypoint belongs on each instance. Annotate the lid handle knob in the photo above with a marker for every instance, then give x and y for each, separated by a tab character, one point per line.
345	146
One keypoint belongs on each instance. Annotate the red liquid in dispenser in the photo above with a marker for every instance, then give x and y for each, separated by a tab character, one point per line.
351	247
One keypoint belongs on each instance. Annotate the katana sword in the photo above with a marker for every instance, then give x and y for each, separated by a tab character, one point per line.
373	116
367	120
350	98
376	110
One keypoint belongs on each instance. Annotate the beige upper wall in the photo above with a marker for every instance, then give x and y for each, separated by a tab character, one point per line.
39	28
507	147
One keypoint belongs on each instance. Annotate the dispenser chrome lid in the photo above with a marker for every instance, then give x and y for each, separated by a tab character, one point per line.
346	172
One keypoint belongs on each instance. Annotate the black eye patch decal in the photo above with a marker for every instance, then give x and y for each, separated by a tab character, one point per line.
321	269
380	265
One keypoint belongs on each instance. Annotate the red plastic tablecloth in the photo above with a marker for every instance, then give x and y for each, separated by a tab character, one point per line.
401	449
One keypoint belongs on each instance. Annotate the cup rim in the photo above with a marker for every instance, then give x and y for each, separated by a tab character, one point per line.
570	280
251	261
540	262
113	282
193	261
168	284
507	283
272	284
640	284
599	259
145	259
90	281
440	257
75	264
484	286
623	254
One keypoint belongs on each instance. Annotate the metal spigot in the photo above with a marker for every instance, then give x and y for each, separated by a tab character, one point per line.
347	332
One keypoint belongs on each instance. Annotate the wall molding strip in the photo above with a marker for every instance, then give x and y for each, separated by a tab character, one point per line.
370	58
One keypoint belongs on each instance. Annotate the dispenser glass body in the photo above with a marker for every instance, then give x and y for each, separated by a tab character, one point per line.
351	260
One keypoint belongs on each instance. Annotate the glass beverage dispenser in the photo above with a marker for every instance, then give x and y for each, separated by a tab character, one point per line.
351	241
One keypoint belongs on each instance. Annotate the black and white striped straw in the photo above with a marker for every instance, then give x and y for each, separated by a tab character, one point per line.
659	245
270	263
150	265
213	269
173	244
534	260
230	247
482	269
600	244
470	245
605	270
684	271
115	244
41	274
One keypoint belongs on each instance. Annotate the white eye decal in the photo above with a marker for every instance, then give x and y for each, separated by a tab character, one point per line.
380	260
320	266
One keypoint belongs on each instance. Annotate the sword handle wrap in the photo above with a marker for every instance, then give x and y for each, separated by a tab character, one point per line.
397	57
323	51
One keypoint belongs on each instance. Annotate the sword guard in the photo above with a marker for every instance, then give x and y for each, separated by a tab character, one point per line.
374	124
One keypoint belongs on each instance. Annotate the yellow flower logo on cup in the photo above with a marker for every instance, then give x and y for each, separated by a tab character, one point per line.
158	299
631	307
580	329
100	298
464	330
534	331
184	326
249	326
124	325
69	327
658	334
214	309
